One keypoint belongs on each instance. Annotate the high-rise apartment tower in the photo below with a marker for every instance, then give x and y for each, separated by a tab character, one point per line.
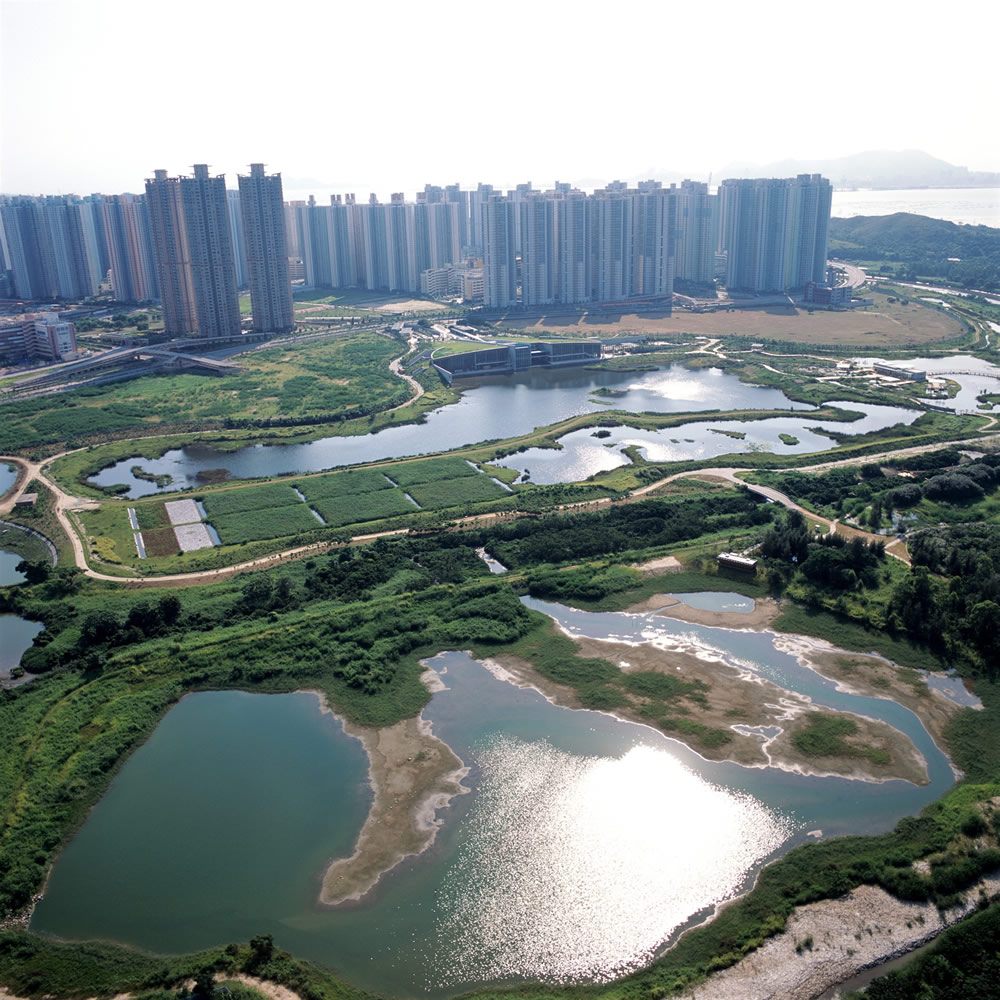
193	253
263	213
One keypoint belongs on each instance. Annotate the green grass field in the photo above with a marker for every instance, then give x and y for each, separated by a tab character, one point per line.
150	515
342	484
256	525
454	492
372	506
340	377
252	499
429	470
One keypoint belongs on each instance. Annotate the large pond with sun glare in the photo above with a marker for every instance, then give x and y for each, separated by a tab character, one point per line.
501	408
585	846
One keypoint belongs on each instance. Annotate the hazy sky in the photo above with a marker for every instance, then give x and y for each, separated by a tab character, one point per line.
377	96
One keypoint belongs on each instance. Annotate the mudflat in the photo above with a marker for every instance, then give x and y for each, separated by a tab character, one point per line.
736	697
413	775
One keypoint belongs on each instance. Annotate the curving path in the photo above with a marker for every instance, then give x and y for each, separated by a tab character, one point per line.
396	367
894	547
66	505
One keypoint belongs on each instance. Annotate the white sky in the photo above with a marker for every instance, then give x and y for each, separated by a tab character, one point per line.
381	96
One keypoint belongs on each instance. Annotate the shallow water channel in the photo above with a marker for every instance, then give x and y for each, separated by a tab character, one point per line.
506	407
586	842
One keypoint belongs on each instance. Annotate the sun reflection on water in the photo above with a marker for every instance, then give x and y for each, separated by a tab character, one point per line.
579	868
673	385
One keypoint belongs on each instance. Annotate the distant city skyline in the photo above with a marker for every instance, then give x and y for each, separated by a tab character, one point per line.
94	98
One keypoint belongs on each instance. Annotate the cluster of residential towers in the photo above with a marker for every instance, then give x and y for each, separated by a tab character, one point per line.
191	244
188	243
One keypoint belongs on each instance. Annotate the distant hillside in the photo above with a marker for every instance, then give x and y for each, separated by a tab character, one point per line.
969	255
876	169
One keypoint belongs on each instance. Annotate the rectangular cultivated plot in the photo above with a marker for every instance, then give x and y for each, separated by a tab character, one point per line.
183	511
338	511
251	498
429	470
151	515
256	525
454	492
160	542
342	484
193	536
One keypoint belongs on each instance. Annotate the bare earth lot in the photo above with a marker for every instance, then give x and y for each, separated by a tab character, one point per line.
883	325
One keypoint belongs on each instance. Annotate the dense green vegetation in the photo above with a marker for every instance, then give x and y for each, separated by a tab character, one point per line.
250	499
917	246
344	483
32	966
430	470
626	528
950	602
372	506
354	624
301	384
827	736
451	492
271	522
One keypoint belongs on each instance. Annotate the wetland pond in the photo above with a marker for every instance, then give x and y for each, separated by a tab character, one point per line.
585	845
501	408
16	635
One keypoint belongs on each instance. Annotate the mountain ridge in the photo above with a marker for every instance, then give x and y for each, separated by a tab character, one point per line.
879	169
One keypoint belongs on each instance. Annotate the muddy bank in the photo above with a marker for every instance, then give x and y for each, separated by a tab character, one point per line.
826	943
413	774
877	677
765	610
735	698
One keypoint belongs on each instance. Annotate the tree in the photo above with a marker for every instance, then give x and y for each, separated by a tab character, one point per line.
170	608
99	626
984	629
257	592
261	950
204	983
34	572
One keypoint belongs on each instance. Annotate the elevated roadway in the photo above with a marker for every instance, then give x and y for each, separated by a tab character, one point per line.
157	358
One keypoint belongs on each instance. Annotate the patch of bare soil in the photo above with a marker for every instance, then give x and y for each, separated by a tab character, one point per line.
413	775
826	943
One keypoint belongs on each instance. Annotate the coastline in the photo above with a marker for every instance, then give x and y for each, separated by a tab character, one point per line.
413	775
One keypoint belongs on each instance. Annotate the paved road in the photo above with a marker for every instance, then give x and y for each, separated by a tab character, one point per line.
854	275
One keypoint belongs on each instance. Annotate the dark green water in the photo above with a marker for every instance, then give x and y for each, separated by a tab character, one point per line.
585	844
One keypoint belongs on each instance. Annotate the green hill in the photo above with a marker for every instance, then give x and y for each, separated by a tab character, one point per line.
967	255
